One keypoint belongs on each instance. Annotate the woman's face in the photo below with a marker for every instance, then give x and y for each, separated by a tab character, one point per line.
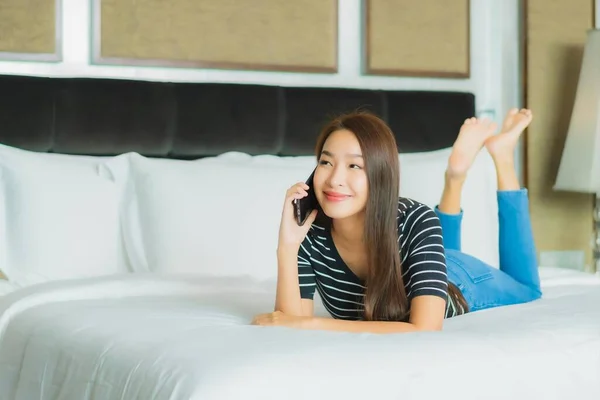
340	181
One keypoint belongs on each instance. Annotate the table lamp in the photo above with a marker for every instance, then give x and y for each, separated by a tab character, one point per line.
579	169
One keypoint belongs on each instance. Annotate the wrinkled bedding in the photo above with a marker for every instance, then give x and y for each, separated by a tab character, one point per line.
155	337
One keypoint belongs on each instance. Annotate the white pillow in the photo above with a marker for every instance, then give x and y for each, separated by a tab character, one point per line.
214	216
221	215
59	219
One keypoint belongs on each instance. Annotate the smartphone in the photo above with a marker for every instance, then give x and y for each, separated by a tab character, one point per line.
304	206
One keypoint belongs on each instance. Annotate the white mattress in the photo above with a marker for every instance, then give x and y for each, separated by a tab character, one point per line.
151	337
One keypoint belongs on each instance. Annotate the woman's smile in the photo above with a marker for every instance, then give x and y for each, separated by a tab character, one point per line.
335	196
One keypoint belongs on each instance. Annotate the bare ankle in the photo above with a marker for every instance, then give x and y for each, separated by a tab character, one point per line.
504	162
451	196
507	176
508	183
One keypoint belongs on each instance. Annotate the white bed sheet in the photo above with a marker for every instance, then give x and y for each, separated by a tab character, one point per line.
151	337
6	287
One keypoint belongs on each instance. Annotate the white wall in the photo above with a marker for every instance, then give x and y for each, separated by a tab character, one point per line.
495	59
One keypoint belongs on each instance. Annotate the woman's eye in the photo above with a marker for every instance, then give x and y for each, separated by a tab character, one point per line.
355	166
324	162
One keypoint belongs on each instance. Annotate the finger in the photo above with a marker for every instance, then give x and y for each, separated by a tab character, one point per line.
302	185
296	189
301	191
295	195
264	321
257	318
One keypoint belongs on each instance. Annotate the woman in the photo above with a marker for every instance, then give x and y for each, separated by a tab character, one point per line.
380	262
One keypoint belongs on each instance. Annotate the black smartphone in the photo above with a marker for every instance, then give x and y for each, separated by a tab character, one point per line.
304	206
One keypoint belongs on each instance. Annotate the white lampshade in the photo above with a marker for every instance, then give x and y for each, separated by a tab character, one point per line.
579	169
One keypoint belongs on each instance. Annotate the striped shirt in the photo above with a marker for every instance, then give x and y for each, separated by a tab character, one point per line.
422	257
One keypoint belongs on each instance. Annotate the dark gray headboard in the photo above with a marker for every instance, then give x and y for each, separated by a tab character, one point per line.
192	120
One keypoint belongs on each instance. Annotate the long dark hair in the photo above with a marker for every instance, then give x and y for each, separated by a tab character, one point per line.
385	296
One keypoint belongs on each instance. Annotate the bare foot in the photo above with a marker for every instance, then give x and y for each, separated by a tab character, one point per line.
502	146
471	139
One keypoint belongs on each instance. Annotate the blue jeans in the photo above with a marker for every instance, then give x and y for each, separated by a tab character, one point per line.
517	280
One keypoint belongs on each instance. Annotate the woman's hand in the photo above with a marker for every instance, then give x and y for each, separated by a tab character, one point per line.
291	234
278	318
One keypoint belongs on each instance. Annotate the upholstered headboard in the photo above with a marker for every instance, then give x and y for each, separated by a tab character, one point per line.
192	120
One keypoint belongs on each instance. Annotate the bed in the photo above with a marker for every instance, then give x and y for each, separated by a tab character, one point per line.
130	216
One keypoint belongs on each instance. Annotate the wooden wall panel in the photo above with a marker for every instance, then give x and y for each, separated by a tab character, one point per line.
299	35
30	30
417	38
555	37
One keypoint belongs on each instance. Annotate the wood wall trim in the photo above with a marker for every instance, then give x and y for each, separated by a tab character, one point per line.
26	39
561	220
404	64
524	88
328	64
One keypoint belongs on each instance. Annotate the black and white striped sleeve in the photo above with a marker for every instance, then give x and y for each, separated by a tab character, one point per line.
306	274
422	254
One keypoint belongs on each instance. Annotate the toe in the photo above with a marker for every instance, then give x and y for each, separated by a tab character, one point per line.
526	113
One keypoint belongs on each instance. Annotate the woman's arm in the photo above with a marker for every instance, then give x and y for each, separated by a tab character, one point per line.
424	268
427	315
451	195
288	299
292	256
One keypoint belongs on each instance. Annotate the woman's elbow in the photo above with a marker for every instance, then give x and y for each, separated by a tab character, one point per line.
435	328
429	326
